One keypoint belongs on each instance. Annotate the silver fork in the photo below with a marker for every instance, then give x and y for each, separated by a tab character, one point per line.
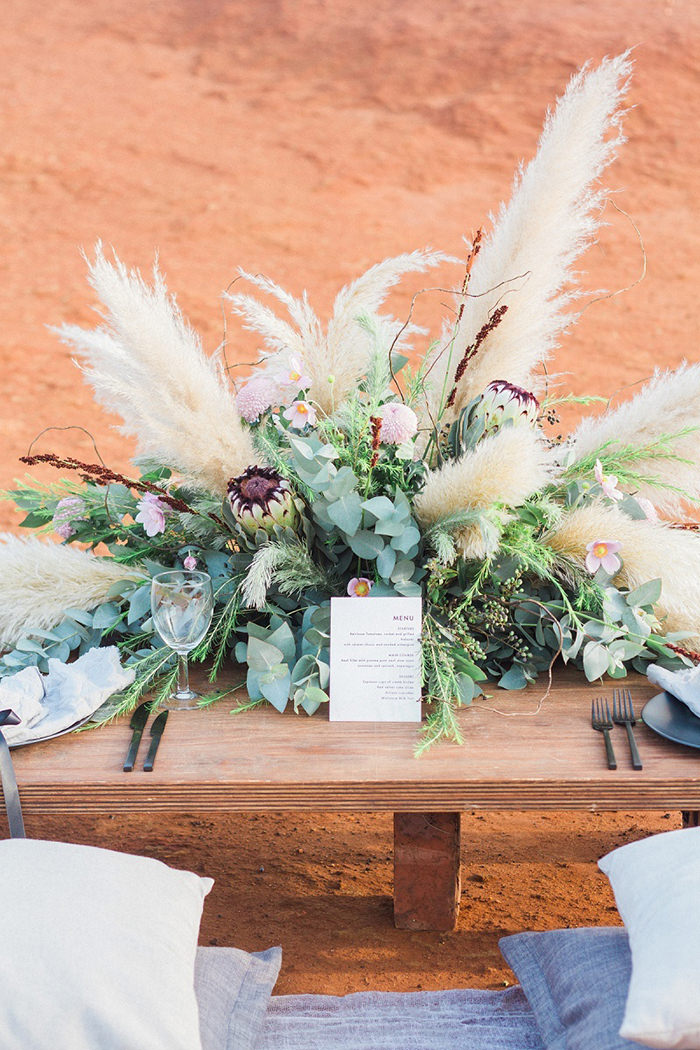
602	722
623	715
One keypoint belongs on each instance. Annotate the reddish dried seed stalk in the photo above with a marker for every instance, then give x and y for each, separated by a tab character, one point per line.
493	322
96	473
474	251
376	437
695	657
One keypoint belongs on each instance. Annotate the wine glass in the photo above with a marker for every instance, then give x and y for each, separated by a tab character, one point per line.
182	605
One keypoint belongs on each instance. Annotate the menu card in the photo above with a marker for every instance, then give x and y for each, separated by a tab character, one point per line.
375	660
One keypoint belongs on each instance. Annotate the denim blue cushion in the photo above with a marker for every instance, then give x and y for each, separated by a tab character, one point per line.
576	983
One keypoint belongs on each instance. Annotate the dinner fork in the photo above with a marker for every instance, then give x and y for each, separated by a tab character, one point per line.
602	722
623	715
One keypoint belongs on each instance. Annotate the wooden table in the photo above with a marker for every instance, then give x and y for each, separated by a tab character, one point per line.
536	754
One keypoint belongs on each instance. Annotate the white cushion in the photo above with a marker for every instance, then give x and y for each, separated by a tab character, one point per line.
97	950
656	882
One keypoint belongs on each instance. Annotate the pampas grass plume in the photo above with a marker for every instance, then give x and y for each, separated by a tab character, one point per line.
147	364
667	404
527	259
649	551
506	467
39	581
343	351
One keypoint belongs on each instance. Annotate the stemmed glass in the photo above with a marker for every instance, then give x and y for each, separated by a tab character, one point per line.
182	605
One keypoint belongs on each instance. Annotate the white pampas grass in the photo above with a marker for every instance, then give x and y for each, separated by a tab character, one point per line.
342	352
505	468
668	404
649	551
526	261
39	581
147	364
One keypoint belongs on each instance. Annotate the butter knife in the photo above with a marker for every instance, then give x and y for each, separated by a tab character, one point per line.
156	733
137	724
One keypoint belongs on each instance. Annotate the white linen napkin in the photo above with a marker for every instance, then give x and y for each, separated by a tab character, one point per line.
69	693
683	684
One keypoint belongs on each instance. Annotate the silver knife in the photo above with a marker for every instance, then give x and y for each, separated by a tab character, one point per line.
138	724
156	733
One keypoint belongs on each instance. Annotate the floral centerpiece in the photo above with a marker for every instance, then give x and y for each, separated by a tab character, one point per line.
348	463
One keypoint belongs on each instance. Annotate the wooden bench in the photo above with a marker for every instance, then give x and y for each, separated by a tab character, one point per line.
536	754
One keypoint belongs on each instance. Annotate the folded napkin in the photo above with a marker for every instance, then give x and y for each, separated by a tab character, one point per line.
69	693
683	684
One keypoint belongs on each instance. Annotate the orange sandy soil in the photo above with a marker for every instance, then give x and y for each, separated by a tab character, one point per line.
309	139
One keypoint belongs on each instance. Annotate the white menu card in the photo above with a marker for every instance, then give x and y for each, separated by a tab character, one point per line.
375	660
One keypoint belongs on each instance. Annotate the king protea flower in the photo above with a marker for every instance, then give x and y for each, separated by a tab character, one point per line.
260	498
502	402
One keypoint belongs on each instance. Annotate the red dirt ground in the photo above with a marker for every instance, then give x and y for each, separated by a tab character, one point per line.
309	139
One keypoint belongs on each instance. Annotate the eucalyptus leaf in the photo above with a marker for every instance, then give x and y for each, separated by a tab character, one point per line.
346	513
380	507
386	560
648	594
515	678
261	656
276	689
139	604
595	660
366	544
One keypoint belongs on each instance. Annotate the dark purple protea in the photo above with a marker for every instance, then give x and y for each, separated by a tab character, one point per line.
260	498
502	401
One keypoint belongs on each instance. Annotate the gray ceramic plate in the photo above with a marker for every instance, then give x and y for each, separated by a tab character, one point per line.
672	719
52	736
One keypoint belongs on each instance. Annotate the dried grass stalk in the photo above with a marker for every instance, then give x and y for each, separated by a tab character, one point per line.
527	259
39	581
147	364
649	551
668	404
343	351
505	468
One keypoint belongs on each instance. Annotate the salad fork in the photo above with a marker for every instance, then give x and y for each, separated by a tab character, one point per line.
602	722
623	715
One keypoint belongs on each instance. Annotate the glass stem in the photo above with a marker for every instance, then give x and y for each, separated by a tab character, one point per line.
183	674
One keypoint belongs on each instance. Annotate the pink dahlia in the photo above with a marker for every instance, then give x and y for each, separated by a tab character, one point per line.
256	396
69	511
399	423
151	514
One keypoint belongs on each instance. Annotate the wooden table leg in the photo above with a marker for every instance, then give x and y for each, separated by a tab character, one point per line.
691	818
426	871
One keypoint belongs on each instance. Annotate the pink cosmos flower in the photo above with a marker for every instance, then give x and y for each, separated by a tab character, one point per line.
608	482
190	563
151	514
399	423
294	375
359	588
648	507
299	414
256	396
603	552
